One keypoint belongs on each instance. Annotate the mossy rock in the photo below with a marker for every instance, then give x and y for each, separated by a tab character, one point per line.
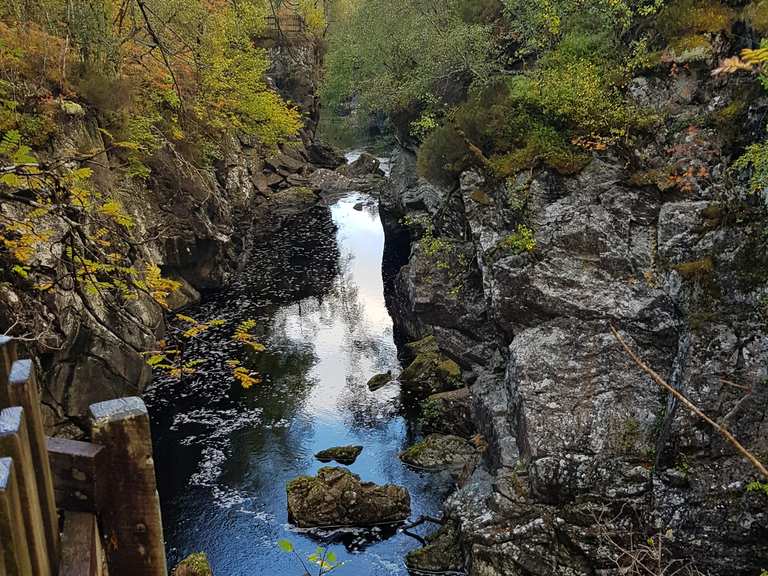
337	498
440	452
441	554
448	413
342	454
194	565
481	198
379	381
430	372
427	345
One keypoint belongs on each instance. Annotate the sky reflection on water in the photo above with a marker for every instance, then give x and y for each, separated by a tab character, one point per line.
225	454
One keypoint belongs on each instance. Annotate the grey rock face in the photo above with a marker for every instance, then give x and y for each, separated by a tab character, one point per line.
586	453
440	452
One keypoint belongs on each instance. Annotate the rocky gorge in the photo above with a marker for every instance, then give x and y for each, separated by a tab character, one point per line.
587	459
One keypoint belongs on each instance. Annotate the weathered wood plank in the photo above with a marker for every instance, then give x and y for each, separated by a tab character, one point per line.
14	443
23	391
75	467
7	358
13	536
128	499
81	551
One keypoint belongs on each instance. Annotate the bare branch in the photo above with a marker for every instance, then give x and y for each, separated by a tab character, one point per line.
724	432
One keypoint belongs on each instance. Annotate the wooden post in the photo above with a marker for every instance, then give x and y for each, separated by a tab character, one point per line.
129	503
75	467
23	391
12	534
14	443
81	552
7	358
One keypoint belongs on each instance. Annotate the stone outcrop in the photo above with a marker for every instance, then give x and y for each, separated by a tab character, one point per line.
366	164
441	452
441	555
337	498
584	449
448	413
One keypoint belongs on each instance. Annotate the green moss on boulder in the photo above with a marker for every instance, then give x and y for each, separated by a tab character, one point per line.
194	565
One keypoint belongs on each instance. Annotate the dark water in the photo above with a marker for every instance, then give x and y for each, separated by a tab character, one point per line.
224	454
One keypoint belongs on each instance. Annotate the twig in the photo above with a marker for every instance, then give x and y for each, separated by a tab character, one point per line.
725	433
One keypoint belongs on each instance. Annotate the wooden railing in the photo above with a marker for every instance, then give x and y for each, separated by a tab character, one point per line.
72	508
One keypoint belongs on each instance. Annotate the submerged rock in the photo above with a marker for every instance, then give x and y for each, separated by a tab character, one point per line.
194	565
439	451
441	554
380	380
341	454
337	498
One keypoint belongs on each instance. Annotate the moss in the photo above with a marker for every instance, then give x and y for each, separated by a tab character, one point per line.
519	242
194	565
412	453
697	270
302	483
686	17
481	197
712	217
629	436
756	14
449	369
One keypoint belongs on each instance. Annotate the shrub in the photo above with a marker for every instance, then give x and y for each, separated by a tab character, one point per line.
520	241
443	156
756	14
688	17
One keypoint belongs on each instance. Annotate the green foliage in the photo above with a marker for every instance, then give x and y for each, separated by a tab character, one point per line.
542	25
759	487
150	71
393	54
755	158
324	559
681	18
520	241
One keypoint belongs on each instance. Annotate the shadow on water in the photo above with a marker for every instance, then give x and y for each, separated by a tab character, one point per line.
224	454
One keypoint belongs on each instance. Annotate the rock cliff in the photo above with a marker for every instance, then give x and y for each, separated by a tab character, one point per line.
521	282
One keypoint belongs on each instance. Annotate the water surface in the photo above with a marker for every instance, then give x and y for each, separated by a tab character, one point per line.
224	454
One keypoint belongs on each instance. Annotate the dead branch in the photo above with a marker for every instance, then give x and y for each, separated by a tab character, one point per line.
724	432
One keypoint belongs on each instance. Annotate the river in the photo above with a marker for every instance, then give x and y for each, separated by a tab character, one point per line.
224	454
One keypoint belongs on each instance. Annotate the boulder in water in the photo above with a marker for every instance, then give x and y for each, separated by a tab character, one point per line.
194	565
342	454
380	380
337	498
448	413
